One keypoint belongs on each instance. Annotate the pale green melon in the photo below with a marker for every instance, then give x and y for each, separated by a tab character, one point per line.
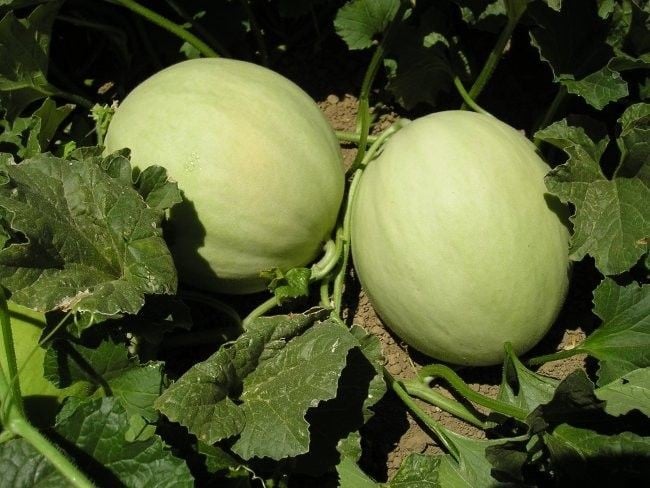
456	241
259	166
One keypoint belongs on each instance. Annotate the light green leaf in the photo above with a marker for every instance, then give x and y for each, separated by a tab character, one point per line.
92	244
420	471
359	21
352	476
629	392
292	284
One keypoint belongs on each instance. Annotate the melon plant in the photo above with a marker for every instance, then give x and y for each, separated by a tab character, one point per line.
456	241
259	166
41	398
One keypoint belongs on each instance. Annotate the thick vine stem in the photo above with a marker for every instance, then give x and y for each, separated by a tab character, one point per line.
416	388
428	373
170	26
467	99
21	427
420	414
339	280
260	310
556	356
494	57
363	115
344	136
11	396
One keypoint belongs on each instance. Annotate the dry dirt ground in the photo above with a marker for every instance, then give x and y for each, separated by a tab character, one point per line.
393	433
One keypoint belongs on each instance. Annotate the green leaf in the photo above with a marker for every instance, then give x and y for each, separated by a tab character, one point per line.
352	476
523	388
634	142
95	433
584	457
292	284
579	45
622	342
300	376
22	466
110	369
204	398
573	401
629	392
24	54
420	471
598	88
359	21
612	217
98	427
32	135
92	244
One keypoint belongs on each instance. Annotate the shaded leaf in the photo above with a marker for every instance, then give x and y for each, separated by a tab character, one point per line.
634	142
629	392
582	456
24	53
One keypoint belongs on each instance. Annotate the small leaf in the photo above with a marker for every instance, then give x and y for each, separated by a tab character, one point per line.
359	21
598	88
634	142
107	367
629	392
622	342
292	284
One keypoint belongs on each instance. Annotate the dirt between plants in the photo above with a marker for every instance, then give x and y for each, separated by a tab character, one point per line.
392	434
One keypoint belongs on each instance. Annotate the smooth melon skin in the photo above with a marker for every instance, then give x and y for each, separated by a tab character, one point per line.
258	163
456	240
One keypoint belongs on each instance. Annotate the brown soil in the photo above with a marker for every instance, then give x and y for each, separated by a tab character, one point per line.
393	433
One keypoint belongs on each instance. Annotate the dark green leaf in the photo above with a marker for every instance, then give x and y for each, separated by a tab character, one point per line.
203	399
32	135
573	400
359	21
93	245
584	457
24	53
612	217
110	370
629	392
99	427
419	471
634	142
22	466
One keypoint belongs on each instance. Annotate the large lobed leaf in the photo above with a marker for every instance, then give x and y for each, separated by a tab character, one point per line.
91	242
612	219
260	387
